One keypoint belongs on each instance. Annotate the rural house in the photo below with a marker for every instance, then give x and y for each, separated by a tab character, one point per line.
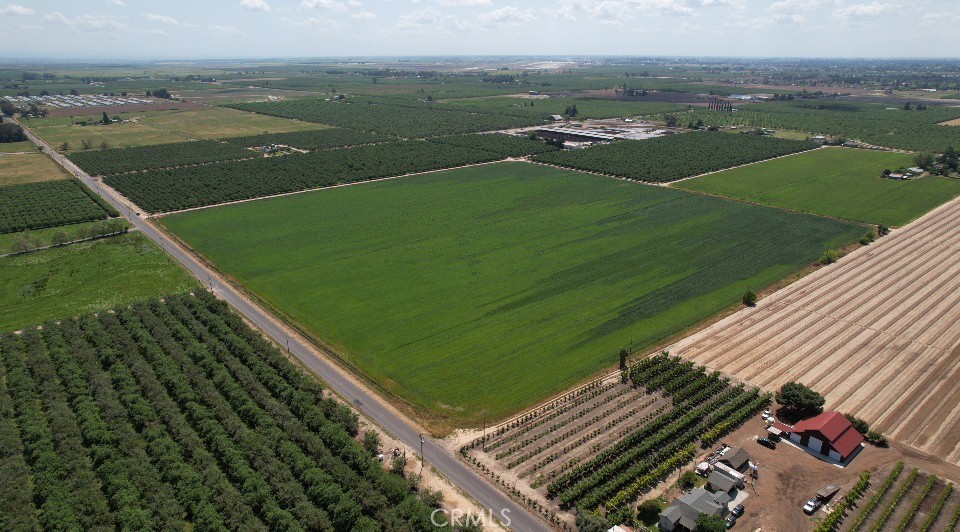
829	434
683	511
736	457
720	480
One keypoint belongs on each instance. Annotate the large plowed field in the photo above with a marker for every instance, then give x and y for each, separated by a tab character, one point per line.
877	333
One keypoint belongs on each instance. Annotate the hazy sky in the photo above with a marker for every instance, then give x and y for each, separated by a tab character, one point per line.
106	29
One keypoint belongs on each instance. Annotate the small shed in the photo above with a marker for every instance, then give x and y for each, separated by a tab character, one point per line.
556	118
703	469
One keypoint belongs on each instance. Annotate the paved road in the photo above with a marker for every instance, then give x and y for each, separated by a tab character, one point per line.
372	405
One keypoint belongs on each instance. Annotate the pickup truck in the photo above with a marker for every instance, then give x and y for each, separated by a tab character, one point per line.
812	506
822	496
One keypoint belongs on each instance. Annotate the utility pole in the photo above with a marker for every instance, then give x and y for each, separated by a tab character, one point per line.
422	458
484	445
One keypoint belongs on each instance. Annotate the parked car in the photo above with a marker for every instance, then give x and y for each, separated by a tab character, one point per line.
737	510
768	443
812	505
731	520
774	438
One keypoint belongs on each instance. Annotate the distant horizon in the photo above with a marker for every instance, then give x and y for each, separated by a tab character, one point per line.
124	30
7	60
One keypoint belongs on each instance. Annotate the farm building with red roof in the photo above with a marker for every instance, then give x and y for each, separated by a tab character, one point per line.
829	434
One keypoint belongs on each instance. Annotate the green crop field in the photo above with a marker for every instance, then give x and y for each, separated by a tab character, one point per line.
877	124
490	288
57	283
17	147
839	182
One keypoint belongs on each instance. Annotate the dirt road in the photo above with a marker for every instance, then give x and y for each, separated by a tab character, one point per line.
878	334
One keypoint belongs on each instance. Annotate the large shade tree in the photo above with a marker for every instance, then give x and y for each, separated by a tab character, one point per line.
799	400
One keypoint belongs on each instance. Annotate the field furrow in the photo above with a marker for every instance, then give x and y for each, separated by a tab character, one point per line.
876	334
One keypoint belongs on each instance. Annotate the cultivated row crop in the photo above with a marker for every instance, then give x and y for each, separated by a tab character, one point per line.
614	472
181	188
897	497
917	502
832	521
616	475
876	124
119	160
875	500
674	157
937	508
381	116
543	108
176	415
49	204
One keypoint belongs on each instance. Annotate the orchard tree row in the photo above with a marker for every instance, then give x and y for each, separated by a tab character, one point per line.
182	188
673	157
49	204
379	115
119	160
173	414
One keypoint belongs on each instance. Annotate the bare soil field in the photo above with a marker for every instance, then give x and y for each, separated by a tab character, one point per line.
877	333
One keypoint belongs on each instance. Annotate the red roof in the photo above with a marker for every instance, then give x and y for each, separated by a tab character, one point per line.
835	428
783	426
830	424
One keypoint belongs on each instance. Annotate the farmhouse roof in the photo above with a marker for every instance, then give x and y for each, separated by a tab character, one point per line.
735	457
684	510
702	501
836	428
673	513
721	482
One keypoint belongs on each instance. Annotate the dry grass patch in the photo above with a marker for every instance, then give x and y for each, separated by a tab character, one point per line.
28	168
